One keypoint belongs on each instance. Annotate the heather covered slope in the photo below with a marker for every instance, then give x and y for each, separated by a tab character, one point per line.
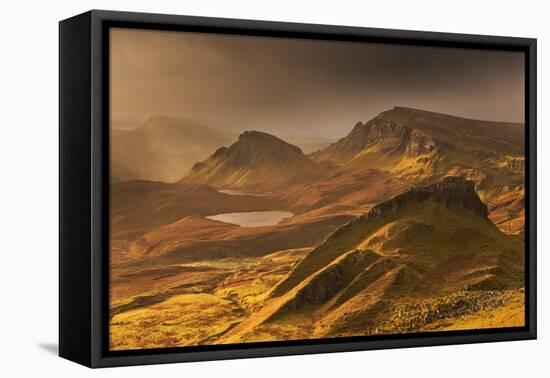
429	245
404	225
154	220
139	206
427	259
257	161
427	225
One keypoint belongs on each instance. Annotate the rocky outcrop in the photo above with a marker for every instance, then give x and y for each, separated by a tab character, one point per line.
452	191
395	137
408	317
516	164
387	136
346	148
325	284
420	143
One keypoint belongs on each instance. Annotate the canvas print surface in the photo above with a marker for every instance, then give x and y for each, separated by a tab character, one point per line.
275	189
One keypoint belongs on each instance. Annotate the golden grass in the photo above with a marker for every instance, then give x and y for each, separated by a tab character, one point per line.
188	319
170	316
439	269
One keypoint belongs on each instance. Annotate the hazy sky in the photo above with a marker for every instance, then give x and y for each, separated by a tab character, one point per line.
302	87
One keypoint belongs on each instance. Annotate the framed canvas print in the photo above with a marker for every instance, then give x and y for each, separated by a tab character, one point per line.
233	188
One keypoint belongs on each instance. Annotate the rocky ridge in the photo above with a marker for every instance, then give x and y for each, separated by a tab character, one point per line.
451	191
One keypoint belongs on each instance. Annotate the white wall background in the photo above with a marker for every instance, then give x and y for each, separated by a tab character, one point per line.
29	186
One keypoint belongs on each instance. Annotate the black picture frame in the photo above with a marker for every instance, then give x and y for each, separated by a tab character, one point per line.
84	187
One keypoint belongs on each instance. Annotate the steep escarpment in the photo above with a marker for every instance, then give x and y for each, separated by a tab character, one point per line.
451	193
416	147
326	283
382	136
498	137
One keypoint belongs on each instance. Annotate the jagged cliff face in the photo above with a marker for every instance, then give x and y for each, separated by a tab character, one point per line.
392	137
257	161
418	147
393	231
453	191
417	132
420	143
388	137
501	138
346	148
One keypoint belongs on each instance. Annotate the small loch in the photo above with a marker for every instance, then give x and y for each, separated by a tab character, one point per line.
253	218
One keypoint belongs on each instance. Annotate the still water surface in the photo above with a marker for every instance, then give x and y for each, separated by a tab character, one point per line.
253	218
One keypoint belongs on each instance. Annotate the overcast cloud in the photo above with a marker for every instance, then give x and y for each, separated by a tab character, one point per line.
302	87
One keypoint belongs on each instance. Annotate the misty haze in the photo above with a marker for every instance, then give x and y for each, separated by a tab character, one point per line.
272	189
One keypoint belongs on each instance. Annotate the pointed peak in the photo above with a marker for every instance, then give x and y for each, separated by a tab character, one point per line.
358	128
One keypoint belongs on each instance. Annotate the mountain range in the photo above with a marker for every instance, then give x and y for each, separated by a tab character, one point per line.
166	148
414	146
412	222
377	159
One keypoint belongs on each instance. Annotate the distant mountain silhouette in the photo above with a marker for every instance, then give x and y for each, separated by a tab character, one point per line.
163	149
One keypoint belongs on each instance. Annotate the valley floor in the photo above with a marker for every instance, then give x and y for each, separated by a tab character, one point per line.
203	303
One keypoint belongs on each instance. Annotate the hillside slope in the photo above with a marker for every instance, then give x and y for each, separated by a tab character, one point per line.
257	161
429	246
414	147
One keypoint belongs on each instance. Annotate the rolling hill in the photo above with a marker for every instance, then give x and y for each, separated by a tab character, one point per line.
138	206
257	161
418	258
410	223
